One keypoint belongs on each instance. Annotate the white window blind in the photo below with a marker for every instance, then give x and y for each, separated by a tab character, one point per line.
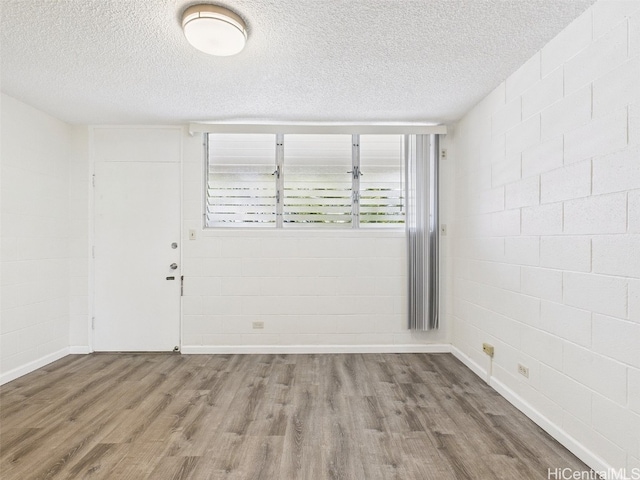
422	231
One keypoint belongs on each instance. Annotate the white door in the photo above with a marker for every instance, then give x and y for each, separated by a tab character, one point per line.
137	271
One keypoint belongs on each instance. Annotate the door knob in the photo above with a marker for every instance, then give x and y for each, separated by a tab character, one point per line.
173	266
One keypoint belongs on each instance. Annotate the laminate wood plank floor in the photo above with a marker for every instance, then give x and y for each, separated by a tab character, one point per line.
275	417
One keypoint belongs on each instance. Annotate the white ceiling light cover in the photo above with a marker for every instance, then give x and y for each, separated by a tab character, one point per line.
214	30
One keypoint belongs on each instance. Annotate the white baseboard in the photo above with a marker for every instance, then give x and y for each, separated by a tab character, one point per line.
302	349
470	364
31	366
79	349
573	445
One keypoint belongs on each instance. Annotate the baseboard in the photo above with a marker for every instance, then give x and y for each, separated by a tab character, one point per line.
470	364
302	349
573	445
31	366
79	350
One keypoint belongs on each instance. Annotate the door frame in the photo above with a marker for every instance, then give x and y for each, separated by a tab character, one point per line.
92	220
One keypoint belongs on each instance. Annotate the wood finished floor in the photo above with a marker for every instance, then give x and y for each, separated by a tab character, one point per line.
372	416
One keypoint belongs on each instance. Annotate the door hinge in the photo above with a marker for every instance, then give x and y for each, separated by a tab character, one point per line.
93	323
182	285
93	180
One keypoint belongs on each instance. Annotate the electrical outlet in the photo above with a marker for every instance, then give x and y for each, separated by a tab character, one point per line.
488	349
522	370
257	325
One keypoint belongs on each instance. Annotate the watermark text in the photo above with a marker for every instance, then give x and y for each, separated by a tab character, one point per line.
609	474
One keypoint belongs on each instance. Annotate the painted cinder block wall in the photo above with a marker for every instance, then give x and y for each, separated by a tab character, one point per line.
80	241
547	235
315	290
44	259
34	258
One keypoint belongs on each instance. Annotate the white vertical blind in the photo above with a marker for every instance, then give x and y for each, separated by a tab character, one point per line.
422	231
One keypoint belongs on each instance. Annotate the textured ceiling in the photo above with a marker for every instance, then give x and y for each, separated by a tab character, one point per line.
127	61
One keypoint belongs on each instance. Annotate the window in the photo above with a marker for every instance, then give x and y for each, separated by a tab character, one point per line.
382	180
298	180
240	186
317	180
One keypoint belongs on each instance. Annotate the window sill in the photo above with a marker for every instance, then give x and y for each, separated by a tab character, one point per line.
303	232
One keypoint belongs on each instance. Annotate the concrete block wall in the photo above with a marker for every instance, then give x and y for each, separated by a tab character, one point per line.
315	290
34	328
546	244
80	193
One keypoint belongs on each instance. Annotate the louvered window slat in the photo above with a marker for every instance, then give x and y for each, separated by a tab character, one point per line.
382	182
317	182
241	188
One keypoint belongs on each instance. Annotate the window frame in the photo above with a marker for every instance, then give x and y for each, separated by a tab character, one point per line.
280	176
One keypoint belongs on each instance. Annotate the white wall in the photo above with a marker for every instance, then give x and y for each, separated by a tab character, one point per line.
315	290
547	235
35	224
80	226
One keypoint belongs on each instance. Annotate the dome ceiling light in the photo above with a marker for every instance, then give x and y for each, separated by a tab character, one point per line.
214	30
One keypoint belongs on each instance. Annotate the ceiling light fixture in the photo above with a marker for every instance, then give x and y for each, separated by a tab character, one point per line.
214	30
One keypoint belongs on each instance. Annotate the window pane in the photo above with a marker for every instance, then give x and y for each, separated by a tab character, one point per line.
317	185
241	189
382	180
